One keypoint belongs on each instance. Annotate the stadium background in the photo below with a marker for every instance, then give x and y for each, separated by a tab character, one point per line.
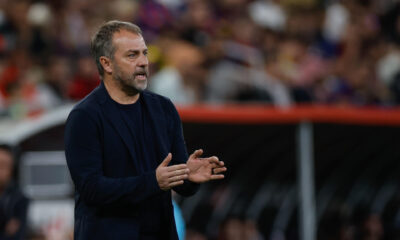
265	70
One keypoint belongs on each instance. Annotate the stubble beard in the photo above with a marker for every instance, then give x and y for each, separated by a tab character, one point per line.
128	84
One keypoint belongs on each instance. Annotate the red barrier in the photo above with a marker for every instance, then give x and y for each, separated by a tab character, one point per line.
239	114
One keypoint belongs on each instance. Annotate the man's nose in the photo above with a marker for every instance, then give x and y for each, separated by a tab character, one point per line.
143	60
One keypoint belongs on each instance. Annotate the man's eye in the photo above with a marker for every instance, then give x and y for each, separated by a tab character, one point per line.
131	55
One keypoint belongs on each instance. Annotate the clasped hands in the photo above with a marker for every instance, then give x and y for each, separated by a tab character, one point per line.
196	170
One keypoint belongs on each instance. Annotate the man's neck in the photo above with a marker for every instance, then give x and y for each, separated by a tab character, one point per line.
117	94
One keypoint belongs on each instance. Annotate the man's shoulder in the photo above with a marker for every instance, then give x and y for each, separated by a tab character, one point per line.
89	104
156	98
161	105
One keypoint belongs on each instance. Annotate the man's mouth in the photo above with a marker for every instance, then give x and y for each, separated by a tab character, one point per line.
141	76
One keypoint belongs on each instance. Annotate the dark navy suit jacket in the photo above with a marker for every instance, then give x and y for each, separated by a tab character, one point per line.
113	195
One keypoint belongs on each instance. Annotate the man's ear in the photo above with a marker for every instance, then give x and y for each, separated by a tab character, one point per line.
106	63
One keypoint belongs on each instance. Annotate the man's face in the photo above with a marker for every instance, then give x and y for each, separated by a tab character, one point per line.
6	165
130	63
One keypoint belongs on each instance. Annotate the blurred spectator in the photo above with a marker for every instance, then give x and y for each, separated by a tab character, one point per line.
23	89
335	22
13	204
182	80
372	228
231	229
85	80
336	224
58	76
192	234
251	230
239	228
198	22
153	17
268	14
240	75
269	51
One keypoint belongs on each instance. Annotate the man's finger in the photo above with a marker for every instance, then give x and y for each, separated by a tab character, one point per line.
178	178
215	165
176	167
166	160
215	160
217	176
174	184
177	173
219	170
197	153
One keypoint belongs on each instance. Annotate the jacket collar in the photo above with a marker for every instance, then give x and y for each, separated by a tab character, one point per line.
101	93
103	96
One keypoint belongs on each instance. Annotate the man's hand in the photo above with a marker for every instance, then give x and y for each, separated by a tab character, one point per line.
204	169
171	176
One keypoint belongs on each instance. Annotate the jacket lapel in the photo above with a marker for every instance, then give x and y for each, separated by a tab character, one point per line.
114	118
153	115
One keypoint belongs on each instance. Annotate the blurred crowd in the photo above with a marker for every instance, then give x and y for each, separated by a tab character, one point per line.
277	52
280	52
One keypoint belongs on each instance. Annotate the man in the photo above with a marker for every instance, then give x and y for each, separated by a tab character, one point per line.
13	204
125	148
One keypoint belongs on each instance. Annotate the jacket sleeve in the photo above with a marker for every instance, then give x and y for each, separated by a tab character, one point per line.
179	152
83	150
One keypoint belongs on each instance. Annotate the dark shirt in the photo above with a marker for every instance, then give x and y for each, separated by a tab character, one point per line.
137	122
135	119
